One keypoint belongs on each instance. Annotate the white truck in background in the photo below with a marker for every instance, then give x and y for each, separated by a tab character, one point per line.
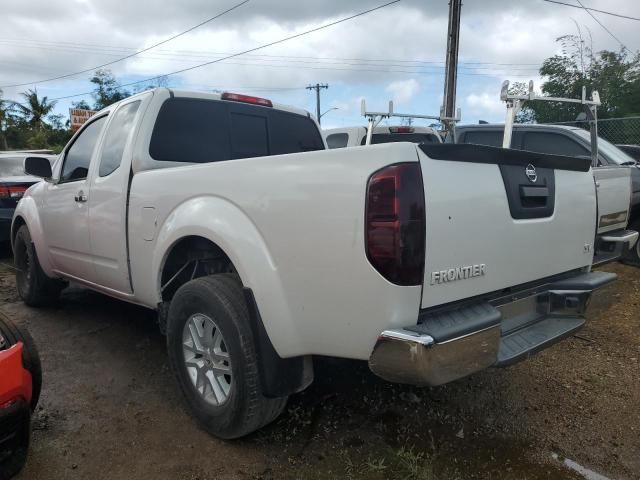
355	136
259	248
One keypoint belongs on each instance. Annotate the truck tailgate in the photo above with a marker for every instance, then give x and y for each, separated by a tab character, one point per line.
498	218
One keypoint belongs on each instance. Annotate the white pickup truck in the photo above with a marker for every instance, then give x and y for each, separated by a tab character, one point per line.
259	248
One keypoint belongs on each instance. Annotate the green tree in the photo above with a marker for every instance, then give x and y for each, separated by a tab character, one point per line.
615	75
81	104
107	90
36	109
526	115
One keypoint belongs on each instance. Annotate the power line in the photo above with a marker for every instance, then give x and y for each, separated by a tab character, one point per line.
425	73
506	73
282	40
594	10
130	55
201	54
400	63
601	24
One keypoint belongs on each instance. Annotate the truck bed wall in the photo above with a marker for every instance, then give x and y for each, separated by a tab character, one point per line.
293	225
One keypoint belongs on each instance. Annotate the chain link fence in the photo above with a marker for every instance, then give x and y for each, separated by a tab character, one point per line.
616	130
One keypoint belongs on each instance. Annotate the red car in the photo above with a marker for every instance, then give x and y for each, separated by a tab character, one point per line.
20	383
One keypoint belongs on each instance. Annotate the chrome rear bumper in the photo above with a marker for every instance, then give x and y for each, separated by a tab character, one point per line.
442	348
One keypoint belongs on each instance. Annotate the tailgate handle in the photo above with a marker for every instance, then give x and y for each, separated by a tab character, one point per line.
534	197
533	192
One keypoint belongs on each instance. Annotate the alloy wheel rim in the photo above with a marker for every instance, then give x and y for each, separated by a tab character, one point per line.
207	359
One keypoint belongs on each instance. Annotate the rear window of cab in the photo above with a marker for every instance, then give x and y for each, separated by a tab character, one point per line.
200	131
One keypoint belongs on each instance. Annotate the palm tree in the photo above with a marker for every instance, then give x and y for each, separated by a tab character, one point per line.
36	109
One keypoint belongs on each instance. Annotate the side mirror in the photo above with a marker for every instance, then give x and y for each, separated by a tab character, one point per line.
38	167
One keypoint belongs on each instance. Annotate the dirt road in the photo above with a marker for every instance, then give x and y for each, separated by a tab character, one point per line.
110	409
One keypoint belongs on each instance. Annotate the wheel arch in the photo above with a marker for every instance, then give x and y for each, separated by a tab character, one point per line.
27	214
278	376
221	227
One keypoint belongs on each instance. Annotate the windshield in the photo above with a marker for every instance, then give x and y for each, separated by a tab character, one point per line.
608	149
402	137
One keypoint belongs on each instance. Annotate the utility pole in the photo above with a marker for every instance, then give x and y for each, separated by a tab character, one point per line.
317	87
451	68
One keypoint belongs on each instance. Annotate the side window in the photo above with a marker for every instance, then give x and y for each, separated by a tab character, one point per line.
490	138
338	140
248	136
116	138
191	130
555	143
78	157
293	133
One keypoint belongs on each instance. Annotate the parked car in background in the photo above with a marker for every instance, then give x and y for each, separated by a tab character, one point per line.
617	178
632	150
20	384
353	136
259	248
13	183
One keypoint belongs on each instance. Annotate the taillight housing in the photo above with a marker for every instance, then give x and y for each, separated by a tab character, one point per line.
237	97
395	223
11	191
401	129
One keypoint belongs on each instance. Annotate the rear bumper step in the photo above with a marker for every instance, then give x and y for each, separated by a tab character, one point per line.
611	246
523	343
455	343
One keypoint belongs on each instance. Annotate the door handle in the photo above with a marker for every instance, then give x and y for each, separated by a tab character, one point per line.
80	197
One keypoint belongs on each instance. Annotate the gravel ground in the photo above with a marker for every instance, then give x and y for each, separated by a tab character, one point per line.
110	408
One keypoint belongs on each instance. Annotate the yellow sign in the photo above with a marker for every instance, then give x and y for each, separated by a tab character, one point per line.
79	116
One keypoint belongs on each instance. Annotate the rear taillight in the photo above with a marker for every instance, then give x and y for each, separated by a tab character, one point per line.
10	191
395	223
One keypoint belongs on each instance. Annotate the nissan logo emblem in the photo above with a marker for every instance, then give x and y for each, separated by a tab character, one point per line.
531	174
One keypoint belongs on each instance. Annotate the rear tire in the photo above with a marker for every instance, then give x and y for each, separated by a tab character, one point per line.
34	287
632	255
15	333
212	353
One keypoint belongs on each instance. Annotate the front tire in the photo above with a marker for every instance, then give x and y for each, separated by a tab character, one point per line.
34	287
212	353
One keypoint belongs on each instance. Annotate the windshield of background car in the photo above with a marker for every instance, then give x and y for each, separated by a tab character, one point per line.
12	166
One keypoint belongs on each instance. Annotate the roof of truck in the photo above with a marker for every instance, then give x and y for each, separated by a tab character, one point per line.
218	96
210	96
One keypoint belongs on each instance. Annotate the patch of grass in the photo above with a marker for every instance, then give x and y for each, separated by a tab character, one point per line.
376	465
412	465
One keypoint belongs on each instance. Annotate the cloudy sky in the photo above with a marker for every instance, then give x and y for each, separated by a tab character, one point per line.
394	53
